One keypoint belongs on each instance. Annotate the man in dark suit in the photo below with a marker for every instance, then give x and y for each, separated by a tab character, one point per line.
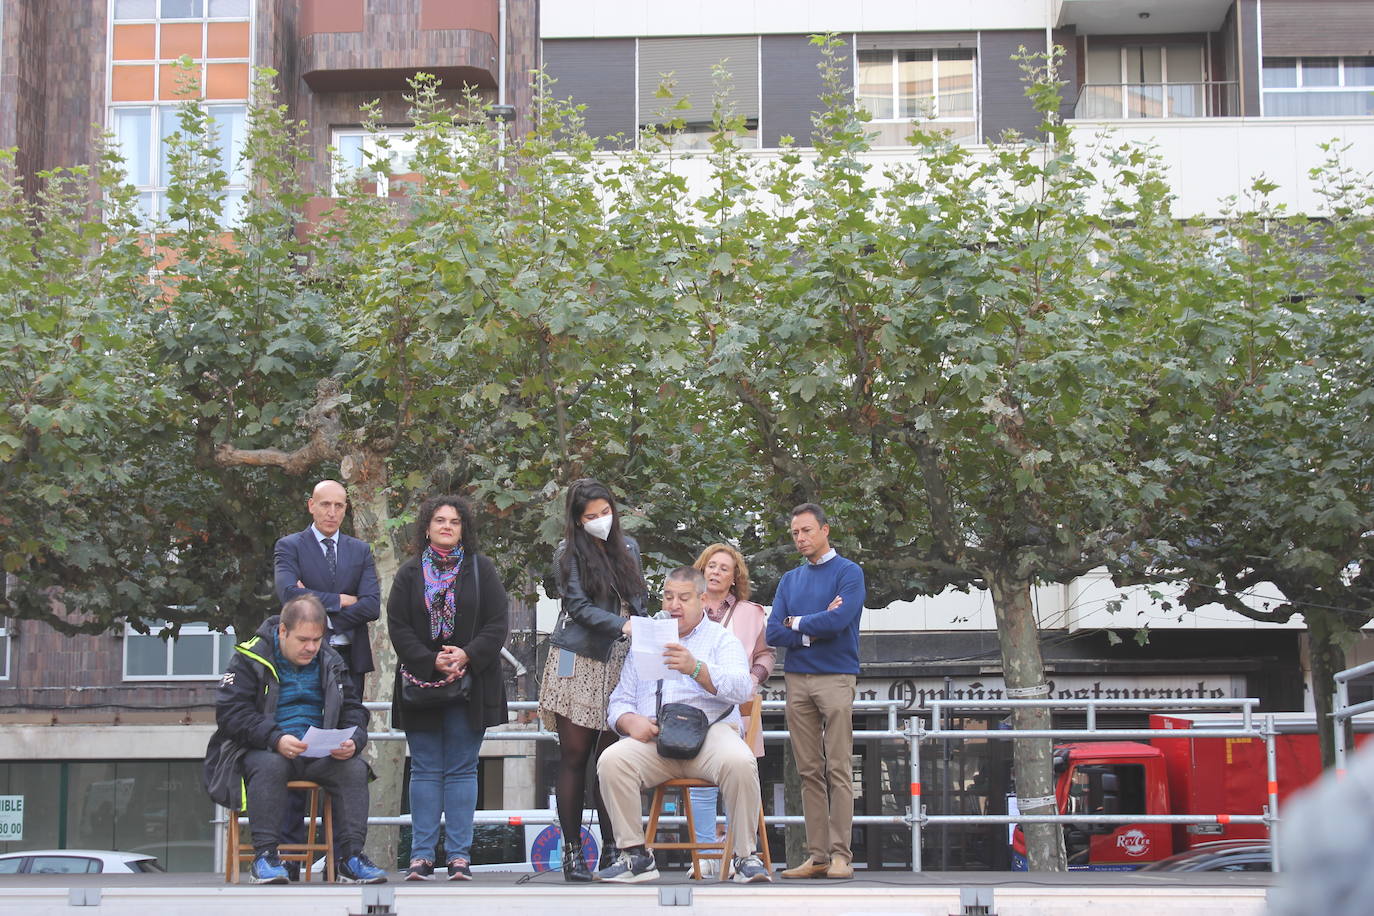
336	569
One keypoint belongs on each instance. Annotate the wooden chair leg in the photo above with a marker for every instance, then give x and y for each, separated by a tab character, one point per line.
231	848
763	842
655	808
311	832
329	862
691	831
727	852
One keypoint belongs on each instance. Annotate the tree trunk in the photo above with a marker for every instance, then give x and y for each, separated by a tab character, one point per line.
1033	760
366	477
1324	634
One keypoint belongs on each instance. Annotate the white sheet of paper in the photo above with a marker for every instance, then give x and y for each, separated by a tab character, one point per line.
320	741
648	639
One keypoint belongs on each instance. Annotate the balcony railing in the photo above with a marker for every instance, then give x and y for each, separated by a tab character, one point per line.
1106	101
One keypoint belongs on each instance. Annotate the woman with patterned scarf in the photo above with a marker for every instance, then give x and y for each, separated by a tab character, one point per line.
448	618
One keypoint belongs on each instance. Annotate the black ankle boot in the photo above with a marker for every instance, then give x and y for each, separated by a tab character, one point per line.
575	863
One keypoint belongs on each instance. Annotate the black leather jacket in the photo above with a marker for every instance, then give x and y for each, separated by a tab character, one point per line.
590	627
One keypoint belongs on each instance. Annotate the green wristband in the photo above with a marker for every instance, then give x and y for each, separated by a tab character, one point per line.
696	670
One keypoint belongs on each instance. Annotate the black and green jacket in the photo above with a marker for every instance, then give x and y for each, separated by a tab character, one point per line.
246	707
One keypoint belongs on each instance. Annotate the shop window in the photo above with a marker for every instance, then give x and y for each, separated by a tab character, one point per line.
905	89
1318	87
198	653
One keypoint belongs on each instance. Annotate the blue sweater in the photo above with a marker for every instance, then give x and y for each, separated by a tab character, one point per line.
806	592
301	702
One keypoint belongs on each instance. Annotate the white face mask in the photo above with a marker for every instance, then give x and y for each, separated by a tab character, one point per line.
599	528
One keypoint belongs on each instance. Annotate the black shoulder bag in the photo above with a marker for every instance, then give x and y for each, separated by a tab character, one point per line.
456	691
681	728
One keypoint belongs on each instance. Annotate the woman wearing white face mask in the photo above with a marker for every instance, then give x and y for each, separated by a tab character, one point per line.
602	585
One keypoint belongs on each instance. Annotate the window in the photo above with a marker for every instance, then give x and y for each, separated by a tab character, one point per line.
1150	81
904	89
4	648
142	133
690	65
372	157
1318	87
125	10
149	40
198	653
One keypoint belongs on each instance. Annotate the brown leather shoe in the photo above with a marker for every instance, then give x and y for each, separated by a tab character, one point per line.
808	869
839	868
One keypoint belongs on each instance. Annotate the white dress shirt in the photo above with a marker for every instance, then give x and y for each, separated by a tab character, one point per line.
722	656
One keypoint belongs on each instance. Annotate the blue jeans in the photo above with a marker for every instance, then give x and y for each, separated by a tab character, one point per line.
704	813
443	780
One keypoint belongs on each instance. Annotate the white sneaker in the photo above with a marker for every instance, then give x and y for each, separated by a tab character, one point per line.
710	868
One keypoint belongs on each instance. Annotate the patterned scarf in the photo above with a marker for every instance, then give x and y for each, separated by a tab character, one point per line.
441	589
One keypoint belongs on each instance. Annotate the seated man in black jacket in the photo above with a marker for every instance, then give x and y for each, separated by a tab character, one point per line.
279	683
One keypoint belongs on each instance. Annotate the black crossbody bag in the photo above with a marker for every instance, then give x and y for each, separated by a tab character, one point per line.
681	728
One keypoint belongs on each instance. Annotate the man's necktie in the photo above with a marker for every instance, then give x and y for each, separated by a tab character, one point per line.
329	556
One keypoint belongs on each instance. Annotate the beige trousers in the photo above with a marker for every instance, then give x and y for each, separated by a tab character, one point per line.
628	767
819	716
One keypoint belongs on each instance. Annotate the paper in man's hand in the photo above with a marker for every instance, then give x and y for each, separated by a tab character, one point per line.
648	639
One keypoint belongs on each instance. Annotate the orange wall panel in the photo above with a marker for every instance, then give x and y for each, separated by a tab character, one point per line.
171	79
227	39
319	16
181	38
131	83
478	15
135	42
226	81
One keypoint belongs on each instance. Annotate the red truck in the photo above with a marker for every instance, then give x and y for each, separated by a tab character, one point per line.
1191	774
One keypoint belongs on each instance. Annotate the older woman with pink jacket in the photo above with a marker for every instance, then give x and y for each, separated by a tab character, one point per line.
727	603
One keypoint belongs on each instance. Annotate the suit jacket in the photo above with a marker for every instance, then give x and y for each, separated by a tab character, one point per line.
299	558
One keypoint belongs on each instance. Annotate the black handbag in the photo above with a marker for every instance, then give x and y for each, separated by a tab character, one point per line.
681	728
424	696
427	696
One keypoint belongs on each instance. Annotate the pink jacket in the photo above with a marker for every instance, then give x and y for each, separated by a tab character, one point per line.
748	622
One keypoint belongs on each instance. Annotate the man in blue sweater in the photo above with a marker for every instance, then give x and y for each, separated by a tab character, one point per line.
816	618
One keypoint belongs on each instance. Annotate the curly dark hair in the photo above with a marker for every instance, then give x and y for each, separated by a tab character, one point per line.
426	513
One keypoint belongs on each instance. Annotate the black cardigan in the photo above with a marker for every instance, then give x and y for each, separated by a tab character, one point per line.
479	627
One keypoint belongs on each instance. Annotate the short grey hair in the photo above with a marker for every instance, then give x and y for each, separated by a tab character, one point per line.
688	574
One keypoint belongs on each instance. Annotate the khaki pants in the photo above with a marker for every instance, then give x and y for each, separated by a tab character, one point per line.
628	767
819	716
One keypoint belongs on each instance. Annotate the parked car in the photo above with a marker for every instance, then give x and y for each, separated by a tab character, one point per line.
76	862
1226	855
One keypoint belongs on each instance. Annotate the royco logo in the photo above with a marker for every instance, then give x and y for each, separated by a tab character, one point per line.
1133	842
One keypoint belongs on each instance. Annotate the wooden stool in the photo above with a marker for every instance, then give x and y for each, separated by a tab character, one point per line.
752	712
236	852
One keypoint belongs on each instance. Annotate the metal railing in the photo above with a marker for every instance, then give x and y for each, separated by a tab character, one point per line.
1111	101
1343	713
914	734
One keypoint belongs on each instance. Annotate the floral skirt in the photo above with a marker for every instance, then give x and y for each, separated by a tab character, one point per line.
582	698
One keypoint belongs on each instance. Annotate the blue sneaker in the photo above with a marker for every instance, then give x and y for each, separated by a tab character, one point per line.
268	868
359	869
